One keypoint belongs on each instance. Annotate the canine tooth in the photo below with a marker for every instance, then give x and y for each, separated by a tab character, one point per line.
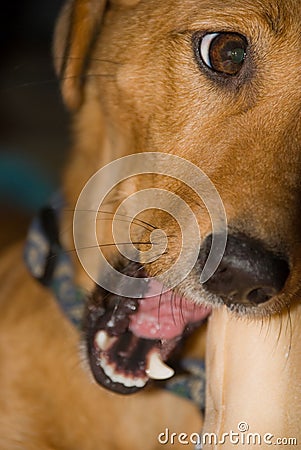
103	340
157	369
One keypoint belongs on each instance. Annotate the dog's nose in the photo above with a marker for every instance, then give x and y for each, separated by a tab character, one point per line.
248	273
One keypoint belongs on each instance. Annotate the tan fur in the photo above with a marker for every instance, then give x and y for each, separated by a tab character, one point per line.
128	109
131	80
49	401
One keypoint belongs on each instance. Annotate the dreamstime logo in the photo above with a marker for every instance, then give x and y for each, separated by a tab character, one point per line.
105	180
242	438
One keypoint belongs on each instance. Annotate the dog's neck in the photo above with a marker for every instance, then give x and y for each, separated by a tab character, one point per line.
51	264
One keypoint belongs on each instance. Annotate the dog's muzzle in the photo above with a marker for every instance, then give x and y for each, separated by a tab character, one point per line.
129	340
248	274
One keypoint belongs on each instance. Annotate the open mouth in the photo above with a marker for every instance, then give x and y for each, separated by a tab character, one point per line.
130	340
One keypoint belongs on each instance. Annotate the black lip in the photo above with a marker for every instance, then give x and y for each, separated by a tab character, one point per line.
128	354
100	376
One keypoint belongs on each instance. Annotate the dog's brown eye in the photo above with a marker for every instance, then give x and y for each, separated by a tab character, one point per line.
223	52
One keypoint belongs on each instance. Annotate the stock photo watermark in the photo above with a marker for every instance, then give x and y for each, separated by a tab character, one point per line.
101	184
242	437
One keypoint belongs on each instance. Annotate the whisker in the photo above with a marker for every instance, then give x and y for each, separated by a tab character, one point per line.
87	76
290	325
116	306
55	81
115	310
181	308
141	267
135	219
73	250
159	306
25	65
111	244
110	61
172	310
269	325
280	327
178	307
69	251
126	221
129	217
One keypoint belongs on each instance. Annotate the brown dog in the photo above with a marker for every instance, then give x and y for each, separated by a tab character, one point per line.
216	83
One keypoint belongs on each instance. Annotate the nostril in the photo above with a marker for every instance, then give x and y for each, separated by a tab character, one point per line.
261	295
248	273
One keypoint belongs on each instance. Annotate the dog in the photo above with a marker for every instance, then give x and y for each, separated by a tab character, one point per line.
199	89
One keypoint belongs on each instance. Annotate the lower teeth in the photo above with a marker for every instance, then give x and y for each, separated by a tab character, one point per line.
115	377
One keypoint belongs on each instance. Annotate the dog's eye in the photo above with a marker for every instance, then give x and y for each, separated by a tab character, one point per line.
223	52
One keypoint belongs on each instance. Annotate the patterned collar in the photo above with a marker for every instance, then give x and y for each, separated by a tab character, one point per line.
50	264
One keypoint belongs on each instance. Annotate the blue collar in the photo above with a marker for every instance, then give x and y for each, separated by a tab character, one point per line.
50	264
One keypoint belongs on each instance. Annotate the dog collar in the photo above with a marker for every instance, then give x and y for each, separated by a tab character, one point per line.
50	264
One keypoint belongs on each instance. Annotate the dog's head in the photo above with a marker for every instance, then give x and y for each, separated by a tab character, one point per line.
217	83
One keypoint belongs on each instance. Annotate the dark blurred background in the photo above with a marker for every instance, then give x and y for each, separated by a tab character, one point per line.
33	122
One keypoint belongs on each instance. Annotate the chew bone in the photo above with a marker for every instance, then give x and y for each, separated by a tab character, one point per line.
254	380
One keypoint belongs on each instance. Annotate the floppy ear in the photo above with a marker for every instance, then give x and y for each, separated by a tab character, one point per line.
75	34
74	37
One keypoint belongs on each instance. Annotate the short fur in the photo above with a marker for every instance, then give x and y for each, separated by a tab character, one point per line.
132	82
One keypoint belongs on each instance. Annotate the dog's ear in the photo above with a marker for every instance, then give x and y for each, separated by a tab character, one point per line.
74	36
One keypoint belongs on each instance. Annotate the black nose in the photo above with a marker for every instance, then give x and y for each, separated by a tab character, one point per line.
248	273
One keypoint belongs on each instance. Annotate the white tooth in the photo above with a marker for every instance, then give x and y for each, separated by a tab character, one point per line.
103	340
119	378
140	382
157	369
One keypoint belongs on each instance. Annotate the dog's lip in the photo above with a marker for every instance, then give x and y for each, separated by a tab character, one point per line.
129	340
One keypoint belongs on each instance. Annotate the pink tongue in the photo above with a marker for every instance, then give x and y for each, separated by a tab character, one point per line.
165	316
